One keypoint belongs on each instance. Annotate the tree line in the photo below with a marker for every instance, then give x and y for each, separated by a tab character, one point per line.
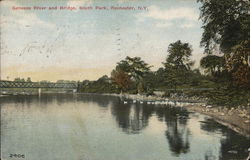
226	62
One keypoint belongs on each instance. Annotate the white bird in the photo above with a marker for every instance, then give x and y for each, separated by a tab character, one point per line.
171	103
141	102
134	101
208	106
125	102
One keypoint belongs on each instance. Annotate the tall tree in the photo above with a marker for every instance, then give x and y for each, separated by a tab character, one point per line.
226	24
130	70
134	66
179	55
178	63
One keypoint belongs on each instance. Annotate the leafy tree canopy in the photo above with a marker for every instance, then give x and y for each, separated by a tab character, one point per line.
178	64
213	64
225	23
179	55
134	67
121	79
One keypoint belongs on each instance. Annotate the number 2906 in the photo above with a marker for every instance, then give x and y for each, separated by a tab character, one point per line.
17	156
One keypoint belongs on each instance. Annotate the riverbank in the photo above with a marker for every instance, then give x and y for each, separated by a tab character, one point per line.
235	118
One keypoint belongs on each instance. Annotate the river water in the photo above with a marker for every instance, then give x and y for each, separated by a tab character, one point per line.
97	127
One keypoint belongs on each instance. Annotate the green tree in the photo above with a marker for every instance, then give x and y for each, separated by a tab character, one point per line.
28	79
213	64
102	85
225	23
134	66
45	81
17	79
226	26
131	72
179	55
178	64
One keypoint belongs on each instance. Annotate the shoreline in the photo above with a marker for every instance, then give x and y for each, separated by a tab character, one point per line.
231	119
236	119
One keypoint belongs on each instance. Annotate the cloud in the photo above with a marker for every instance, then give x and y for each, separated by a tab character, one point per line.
164	24
167	17
187	25
172	14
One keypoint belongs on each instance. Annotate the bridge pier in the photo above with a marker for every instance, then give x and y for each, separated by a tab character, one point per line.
39	91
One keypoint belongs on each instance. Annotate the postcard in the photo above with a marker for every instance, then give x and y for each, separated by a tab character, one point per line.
125	79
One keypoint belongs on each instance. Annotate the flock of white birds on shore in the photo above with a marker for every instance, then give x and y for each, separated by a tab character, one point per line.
166	102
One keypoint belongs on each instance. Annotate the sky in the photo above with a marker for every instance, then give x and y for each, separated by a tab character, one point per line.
87	44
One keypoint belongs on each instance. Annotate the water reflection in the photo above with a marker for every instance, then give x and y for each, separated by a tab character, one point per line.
134	118
177	131
233	146
106	128
131	118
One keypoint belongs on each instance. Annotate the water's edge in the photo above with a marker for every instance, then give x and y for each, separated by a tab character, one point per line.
197	107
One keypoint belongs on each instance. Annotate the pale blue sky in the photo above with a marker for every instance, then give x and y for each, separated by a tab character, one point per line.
84	44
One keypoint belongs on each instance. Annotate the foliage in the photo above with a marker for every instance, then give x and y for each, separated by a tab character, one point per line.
133	75
213	64
179	55
178	64
102	85
229	97
121	79
19	79
238	65
226	25
130	72
45	81
65	81
28	79
134	67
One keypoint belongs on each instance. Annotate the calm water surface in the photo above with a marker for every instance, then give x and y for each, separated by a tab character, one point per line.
95	127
